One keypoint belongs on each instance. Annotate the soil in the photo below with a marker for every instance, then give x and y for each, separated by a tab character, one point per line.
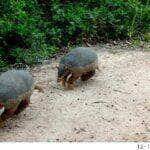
112	106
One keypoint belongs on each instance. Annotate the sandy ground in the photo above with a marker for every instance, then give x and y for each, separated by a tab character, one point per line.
112	106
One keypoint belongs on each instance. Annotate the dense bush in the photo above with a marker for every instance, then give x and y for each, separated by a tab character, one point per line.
31	31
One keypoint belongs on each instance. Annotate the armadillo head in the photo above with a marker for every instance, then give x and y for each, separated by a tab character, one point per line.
62	72
1	108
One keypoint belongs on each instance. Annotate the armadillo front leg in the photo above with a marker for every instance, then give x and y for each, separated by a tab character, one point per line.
23	104
64	82
86	76
65	78
71	79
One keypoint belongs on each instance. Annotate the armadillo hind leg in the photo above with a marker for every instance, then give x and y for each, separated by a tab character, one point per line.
87	75
23	104
9	112
2	124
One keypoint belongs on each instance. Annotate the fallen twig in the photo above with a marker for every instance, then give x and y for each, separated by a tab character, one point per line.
121	92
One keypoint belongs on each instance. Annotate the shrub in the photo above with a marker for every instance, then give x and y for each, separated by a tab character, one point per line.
31	31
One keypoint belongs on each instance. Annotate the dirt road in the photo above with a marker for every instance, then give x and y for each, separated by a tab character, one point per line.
112	106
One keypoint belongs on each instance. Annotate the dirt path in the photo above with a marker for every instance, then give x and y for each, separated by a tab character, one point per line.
113	106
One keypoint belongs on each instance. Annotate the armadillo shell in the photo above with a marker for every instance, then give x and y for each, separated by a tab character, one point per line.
79	57
13	84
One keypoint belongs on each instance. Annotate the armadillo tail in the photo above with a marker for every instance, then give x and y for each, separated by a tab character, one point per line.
98	68
37	87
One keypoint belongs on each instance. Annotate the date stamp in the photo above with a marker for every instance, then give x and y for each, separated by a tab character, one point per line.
143	146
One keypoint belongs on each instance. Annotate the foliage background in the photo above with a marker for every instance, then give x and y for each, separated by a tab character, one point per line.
31	31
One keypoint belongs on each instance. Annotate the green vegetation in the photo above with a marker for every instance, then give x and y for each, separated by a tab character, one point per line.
32	30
